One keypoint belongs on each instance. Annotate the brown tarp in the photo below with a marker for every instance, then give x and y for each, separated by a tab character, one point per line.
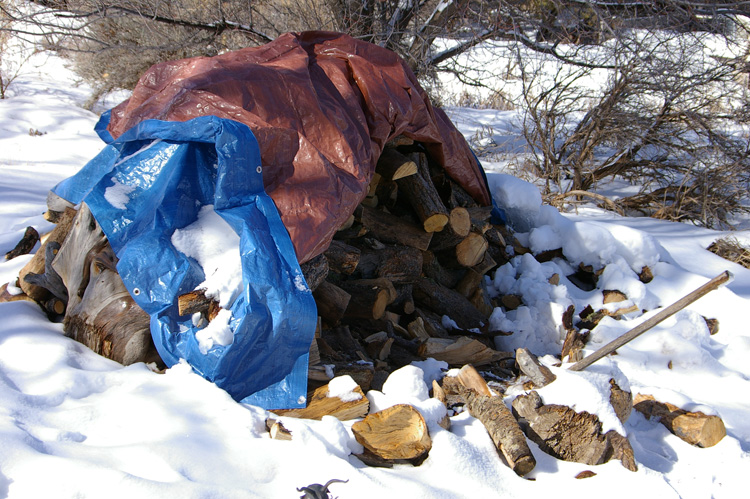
322	106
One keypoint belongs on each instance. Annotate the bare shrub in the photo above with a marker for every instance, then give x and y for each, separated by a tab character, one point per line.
729	248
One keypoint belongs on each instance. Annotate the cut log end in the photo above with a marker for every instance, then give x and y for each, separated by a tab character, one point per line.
435	223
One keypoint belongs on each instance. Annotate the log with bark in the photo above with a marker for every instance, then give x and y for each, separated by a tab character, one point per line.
569	435
695	428
496	418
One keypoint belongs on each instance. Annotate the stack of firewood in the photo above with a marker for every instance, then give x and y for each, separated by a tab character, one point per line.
403	278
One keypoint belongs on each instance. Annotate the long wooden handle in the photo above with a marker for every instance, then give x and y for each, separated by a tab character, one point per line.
653	321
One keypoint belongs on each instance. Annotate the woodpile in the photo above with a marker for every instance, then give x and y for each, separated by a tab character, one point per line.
402	281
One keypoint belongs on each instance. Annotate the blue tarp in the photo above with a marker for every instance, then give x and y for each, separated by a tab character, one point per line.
170	170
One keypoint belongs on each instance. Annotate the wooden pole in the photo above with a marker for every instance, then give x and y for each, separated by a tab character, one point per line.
653	321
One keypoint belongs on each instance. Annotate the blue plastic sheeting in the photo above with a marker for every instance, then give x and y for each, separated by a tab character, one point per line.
169	170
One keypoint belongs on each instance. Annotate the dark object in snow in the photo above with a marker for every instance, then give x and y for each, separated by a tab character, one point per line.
318	491
25	245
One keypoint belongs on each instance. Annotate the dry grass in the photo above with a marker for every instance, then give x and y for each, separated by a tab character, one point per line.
729	248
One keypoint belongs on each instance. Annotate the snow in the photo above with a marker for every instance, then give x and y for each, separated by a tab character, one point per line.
343	387
216	247
74	424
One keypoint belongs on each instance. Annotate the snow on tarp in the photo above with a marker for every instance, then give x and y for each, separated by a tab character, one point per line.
174	172
321	106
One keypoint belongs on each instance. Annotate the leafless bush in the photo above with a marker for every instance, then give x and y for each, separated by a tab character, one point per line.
730	248
664	120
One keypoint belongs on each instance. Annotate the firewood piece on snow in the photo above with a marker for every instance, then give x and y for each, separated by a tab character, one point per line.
613	296
569	435
439	394
396	433
695	428
621	401
539	374
25	245
507	436
320	404
277	430
196	301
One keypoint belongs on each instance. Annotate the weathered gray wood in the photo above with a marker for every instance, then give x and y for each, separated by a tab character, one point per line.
539	374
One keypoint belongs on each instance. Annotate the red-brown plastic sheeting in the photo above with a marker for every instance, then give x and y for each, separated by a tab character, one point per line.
322	106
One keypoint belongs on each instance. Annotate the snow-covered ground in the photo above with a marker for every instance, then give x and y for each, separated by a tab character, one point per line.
73	424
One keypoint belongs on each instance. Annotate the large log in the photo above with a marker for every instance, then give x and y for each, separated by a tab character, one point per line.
569	435
393	165
392	229
695	428
445	301
332	302
396	433
342	258
423	197
498	420
315	271
369	297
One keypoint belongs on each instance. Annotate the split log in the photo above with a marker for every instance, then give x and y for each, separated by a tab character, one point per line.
569	435
417	330
621	401
25	245
445	301
499	422
398	264
277	430
471	250
695	428
539	374
332	302
439	394
51	281
320	404
396	433
613	296
462	351
342	258
392	229
36	264
393	165
423	197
